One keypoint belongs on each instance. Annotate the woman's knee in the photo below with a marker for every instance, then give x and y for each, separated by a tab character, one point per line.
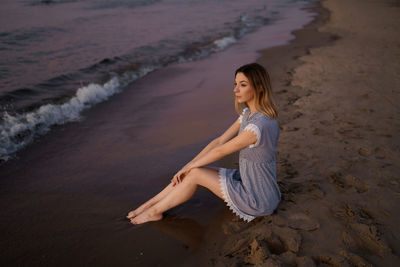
201	175
194	174
206	177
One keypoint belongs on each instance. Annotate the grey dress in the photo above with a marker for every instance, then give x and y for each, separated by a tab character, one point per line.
252	190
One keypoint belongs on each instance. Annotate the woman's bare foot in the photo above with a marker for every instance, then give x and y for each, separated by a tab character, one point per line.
132	214
146	216
151	202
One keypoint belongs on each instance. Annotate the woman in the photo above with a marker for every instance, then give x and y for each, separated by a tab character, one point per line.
250	191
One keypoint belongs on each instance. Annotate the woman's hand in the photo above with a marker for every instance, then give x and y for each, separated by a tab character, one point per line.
180	175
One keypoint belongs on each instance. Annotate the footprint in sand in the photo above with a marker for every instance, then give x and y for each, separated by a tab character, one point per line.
364	151
267	251
352	181
295	220
336	179
343	258
301	221
361	233
329	259
258	252
359	236
348	212
354	259
266	241
281	244
287	168
315	190
348	181
378	152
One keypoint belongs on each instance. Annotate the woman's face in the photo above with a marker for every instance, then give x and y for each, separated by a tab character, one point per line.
243	90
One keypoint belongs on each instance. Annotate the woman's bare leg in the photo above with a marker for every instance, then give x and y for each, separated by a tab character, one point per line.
151	201
182	192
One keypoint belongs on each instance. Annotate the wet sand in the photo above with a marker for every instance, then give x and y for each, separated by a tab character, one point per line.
63	201
337	88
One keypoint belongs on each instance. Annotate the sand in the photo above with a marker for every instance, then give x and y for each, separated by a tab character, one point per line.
337	86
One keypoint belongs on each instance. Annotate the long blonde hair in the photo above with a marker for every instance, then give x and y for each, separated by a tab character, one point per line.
260	81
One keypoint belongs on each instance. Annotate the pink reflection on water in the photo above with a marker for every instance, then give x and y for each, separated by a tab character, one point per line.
62	38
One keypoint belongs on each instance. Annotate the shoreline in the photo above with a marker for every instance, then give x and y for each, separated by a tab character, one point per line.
280	61
124	152
337	169
27	117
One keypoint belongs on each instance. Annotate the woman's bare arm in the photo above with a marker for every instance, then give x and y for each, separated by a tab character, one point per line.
225	137
215	149
237	143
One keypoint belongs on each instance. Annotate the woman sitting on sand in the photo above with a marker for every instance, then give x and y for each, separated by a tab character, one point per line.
250	191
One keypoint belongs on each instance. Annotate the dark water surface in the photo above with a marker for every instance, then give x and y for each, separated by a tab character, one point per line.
63	198
59	58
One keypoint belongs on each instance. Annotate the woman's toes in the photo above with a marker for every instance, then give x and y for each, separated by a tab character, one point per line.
131	214
146	217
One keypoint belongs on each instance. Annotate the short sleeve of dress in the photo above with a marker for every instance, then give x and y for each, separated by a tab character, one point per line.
244	111
256	130
240	119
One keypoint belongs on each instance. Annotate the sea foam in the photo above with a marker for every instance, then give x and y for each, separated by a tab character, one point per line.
18	130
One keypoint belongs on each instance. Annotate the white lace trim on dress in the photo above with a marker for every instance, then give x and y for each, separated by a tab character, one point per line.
228	200
241	116
252	127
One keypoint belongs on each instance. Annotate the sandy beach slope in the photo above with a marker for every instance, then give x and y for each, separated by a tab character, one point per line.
338	88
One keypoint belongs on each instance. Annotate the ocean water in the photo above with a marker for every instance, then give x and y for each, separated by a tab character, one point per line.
59	58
